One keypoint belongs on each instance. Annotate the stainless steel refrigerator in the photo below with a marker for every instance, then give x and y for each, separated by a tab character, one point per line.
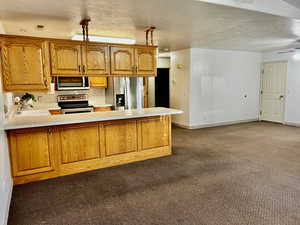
125	92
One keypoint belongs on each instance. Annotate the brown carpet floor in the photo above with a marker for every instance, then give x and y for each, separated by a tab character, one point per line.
247	174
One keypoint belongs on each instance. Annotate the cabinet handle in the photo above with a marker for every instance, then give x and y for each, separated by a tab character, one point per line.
136	69
50	131
79	68
83	68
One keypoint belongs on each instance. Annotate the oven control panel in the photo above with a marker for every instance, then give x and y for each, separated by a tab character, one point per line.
73	97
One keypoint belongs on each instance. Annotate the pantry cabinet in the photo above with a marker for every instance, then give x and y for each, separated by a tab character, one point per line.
25	64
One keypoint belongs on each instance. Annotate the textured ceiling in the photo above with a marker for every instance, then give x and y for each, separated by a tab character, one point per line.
295	3
180	23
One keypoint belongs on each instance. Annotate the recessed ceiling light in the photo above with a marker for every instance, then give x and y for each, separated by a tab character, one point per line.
95	38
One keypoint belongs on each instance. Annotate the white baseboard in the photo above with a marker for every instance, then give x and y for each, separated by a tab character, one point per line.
292	124
9	188
215	124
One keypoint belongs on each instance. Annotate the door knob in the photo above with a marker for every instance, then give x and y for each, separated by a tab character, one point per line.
281	96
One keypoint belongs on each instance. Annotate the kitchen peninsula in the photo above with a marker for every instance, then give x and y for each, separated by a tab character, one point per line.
43	147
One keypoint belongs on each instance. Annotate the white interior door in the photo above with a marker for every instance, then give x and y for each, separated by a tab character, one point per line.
273	91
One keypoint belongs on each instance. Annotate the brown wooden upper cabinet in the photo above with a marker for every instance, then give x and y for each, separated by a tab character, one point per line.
65	58
69	58
133	61
25	64
95	59
122	60
145	59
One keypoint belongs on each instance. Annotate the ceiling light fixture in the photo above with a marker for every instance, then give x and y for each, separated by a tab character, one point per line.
95	38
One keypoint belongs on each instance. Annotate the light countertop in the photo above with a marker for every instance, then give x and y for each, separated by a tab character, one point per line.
96	105
19	122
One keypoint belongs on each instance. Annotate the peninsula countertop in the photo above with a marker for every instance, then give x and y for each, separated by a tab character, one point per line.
20	122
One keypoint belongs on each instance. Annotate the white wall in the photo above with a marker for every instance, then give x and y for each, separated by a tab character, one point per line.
292	96
278	7
163	62
180	85
5	176
215	87
224	86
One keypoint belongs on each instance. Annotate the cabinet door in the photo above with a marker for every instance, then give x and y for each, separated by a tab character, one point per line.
122	60
25	65
96	60
155	132
120	137
79	143
102	109
66	59
98	82
145	59
31	151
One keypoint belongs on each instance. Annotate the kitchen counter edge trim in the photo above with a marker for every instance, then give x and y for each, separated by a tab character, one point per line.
138	114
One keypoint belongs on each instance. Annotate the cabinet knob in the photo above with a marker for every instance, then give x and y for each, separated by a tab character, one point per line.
79	68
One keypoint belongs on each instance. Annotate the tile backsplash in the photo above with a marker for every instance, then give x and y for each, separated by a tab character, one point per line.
96	96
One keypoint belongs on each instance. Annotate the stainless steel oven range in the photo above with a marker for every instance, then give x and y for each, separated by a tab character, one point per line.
74	103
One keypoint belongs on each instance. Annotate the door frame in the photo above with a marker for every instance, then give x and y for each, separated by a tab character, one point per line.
285	89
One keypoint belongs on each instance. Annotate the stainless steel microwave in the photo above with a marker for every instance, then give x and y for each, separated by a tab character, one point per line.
72	83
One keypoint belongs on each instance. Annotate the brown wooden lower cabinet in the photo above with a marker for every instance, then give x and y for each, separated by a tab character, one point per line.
31	151
47	152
